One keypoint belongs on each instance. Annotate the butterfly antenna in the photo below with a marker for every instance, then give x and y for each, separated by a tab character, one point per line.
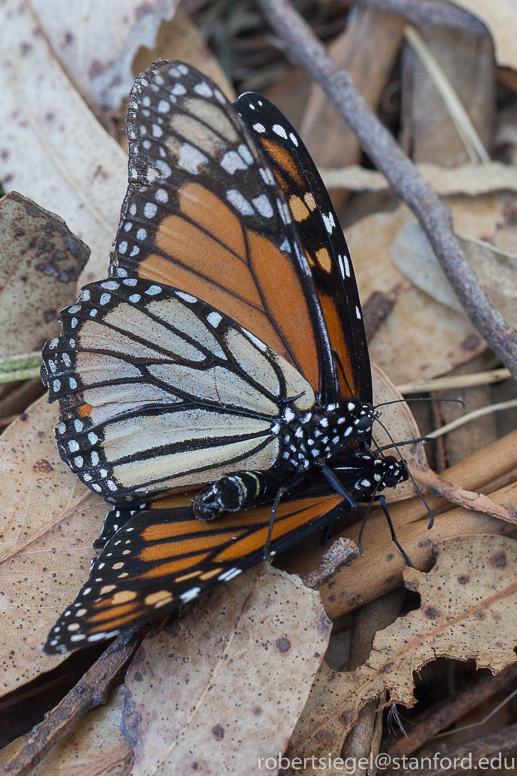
417	489
345	378
420	398
405	442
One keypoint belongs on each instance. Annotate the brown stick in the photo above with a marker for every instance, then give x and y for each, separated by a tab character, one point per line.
303	48
93	690
444	714
381	567
426	13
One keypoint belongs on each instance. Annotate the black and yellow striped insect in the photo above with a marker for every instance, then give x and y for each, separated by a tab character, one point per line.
223	365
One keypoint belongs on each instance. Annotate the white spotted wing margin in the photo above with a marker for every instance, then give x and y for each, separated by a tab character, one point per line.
158	390
186	137
164	558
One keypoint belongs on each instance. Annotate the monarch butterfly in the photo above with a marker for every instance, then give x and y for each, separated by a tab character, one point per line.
226	351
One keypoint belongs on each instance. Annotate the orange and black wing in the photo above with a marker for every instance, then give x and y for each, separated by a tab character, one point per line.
164	557
205	213
321	236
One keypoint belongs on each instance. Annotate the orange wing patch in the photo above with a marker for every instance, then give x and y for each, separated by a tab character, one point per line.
236	270
284	159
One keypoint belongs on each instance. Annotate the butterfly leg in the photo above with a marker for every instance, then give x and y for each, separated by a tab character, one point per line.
333	480
392	530
236	492
116	518
281	491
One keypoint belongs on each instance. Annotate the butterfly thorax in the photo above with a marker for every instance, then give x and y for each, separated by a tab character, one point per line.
320	433
306	440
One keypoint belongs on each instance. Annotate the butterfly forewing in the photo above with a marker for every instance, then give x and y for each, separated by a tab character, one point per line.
204	213
321	236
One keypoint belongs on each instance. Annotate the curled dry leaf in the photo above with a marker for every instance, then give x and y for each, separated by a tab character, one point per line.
47	127
48	520
238	667
97	45
501	20
40	263
468	612
497	270
96	746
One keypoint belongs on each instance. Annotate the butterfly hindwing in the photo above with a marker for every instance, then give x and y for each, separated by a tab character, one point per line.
158	390
165	557
321	236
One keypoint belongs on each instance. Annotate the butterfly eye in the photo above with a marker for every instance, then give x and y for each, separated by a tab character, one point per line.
364	423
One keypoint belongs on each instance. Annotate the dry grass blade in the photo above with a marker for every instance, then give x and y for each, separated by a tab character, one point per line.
470	416
475	148
459	381
470	179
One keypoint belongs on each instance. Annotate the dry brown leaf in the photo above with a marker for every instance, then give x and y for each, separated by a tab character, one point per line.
416	341
96	44
420	339
225	684
471	179
48	520
181	39
497	270
468	611
39	266
52	148
501	19
95	748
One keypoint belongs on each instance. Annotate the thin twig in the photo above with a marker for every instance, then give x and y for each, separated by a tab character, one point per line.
428	13
455	381
93	690
502	405
303	48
